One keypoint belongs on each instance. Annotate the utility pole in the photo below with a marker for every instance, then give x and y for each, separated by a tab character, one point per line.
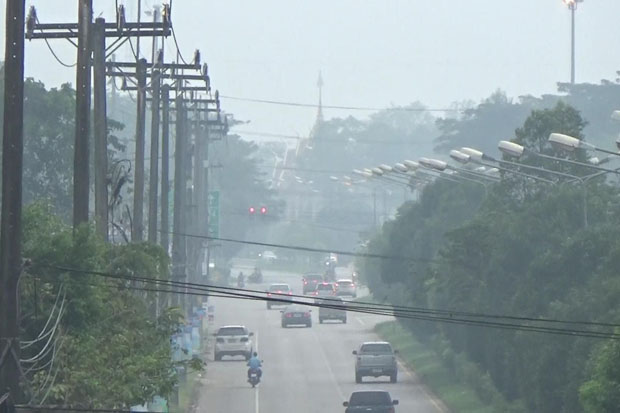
11	215
101	129
179	253
154	163
82	114
165	175
138	194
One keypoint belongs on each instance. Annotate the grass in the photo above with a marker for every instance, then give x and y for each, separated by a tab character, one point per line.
457	396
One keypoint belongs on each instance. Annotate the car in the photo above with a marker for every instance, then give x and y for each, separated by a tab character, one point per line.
280	291
346	287
375	358
296	315
310	281
269	256
325	289
233	340
373	401
332	308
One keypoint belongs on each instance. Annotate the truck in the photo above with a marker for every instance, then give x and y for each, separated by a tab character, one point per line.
376	359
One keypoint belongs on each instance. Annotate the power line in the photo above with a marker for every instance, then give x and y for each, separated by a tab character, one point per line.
362	141
361	108
445	316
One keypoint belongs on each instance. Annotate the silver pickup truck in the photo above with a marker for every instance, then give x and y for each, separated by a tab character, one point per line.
375	358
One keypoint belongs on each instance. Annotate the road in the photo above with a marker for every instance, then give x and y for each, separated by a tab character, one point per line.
306	370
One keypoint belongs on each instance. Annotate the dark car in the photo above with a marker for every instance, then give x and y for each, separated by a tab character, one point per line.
279	291
375	401
310	281
296	315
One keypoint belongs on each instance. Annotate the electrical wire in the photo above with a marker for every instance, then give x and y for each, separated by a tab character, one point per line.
41	354
315	106
174	37
361	141
446	316
49	46
26	344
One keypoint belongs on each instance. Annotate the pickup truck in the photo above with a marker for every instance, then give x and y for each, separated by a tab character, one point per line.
375	358
332	308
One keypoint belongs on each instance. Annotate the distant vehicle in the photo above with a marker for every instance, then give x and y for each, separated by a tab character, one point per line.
269	256
281	292
346	287
376	358
310	281
256	276
296	315
233	341
373	401
334	309
325	289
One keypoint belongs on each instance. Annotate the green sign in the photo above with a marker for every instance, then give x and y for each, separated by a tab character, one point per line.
213	204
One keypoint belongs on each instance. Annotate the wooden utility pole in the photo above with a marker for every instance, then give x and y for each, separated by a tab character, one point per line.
138	194
101	129
154	163
82	114
165	158
11	215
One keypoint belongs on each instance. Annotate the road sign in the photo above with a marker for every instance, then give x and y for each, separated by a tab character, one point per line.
213	203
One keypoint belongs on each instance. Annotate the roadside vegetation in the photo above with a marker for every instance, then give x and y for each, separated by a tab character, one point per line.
519	249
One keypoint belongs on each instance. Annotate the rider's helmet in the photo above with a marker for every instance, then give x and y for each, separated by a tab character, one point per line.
255	354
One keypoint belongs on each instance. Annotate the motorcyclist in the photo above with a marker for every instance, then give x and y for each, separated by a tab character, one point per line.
240	280
255	364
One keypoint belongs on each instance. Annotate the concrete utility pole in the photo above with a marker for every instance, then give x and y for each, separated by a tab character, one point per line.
101	129
154	163
122	32
11	215
165	159
179	253
138	185
82	114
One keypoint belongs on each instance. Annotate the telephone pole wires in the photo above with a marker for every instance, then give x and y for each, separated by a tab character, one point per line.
138	193
11	215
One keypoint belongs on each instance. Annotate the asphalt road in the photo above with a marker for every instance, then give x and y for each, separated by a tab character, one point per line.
306	370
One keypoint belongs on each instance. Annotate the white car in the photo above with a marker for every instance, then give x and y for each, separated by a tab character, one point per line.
233	341
269	256
346	287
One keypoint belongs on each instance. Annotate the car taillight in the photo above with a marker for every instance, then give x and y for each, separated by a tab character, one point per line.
307	314
279	292
392	410
219	340
244	340
352	285
305	282
290	293
289	315
269	294
336	284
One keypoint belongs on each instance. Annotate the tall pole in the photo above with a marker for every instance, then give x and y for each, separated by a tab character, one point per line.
138	196
165	158
11	215
572	7
101	129
154	163
178	240
82	115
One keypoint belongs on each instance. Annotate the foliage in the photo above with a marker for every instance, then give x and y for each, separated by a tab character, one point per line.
112	346
524	254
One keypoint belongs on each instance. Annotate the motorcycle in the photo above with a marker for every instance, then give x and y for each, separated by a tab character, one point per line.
254	377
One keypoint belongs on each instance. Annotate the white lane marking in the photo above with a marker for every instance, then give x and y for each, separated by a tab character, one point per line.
329	367
359	320
430	396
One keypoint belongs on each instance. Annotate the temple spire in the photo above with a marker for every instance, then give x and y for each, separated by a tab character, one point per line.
319	115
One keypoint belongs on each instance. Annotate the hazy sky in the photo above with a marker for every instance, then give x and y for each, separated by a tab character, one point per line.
371	52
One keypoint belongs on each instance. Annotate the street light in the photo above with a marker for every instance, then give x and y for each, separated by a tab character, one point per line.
516	150
443	167
572	6
569	143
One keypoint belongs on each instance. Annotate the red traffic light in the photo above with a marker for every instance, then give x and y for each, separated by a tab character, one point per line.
263	210
252	210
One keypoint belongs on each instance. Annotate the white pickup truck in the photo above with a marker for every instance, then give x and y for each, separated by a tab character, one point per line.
375	358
